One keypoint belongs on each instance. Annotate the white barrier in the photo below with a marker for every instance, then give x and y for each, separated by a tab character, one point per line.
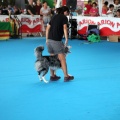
29	23
107	25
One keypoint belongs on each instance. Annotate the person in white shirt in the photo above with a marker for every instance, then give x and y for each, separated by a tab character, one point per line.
118	13
110	11
46	13
116	6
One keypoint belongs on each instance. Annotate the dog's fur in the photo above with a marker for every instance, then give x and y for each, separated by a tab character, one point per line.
43	63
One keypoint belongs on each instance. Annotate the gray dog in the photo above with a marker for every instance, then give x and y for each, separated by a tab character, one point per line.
43	63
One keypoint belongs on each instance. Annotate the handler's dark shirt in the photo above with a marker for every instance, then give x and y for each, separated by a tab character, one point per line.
56	30
32	9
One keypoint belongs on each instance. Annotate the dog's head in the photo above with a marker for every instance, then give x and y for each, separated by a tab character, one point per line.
38	50
67	49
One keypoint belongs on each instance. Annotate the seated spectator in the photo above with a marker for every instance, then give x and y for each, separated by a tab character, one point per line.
87	8
94	10
105	9
116	6
118	13
110	11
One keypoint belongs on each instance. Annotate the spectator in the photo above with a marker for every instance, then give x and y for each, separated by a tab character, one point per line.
38	7
46	12
79	10
0	11
110	11
10	10
16	10
25	12
105	9
116	6
87	8
94	10
118	16
53	11
118	13
31	10
5	11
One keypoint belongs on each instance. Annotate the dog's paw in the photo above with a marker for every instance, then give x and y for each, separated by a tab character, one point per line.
46	81
43	78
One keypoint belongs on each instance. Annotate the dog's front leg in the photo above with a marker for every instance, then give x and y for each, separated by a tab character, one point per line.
43	75
39	75
43	78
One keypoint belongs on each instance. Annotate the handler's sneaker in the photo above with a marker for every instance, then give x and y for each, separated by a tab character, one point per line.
55	78
67	79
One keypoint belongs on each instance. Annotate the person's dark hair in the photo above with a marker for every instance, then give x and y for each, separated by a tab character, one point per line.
63	9
118	10
89	1
44	2
106	3
94	3
58	10
111	5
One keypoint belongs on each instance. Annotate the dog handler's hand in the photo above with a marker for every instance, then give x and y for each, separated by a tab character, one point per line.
66	42
46	41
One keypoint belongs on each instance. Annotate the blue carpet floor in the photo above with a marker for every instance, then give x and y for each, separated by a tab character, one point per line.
93	95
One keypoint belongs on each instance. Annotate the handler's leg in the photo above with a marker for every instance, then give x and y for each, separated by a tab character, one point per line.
64	68
53	77
63	64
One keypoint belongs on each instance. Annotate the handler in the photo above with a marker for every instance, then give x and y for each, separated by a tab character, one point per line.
54	34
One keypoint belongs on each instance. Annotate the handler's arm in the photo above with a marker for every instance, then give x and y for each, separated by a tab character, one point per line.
47	32
65	34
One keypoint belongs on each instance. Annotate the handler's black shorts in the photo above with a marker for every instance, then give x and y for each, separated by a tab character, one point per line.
55	47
